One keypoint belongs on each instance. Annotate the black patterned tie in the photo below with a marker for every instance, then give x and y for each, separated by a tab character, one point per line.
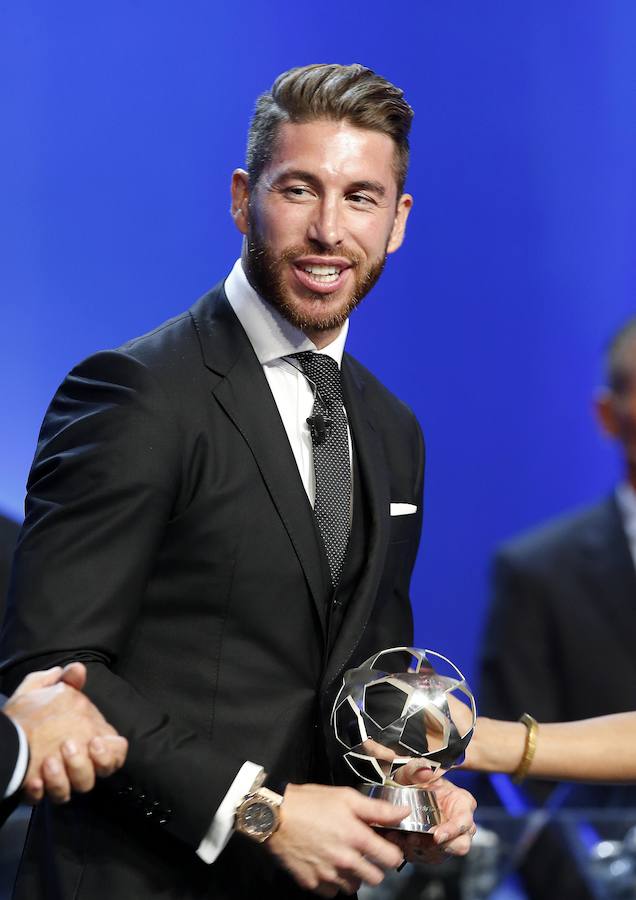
332	466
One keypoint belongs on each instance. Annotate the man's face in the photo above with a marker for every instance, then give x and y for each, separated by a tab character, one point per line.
320	221
617	409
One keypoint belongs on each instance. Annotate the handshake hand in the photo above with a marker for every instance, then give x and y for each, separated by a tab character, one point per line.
69	740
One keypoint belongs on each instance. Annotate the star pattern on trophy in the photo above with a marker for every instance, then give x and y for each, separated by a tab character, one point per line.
401	704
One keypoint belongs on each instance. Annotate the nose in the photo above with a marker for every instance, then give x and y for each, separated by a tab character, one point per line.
326	225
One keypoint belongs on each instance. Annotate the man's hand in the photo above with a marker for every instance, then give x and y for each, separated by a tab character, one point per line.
455	832
70	742
326	842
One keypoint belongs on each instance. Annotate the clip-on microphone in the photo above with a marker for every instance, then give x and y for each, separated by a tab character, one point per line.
319	428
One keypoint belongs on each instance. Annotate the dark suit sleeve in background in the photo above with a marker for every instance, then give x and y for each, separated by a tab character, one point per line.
520	659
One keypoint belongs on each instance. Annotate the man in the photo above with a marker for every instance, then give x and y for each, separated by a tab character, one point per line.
562	629
53	739
218	564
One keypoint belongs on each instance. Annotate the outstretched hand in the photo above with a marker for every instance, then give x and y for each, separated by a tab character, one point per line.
70	742
453	836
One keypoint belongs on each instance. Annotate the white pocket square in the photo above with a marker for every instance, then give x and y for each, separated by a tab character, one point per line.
403	509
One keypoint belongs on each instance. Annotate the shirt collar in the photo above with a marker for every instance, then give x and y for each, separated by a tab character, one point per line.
269	333
626	497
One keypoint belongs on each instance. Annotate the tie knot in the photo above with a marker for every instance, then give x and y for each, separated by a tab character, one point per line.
322	369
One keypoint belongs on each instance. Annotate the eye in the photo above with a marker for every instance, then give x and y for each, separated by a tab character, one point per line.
298	192
361	200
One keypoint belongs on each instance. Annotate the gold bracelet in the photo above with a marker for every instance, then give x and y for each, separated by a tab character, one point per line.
529	750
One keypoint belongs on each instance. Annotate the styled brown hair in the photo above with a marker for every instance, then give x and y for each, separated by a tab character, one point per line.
352	93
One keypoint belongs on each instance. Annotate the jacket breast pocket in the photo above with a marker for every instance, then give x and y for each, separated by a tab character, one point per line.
403	528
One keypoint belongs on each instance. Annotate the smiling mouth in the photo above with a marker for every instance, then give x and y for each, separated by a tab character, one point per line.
323	274
322	277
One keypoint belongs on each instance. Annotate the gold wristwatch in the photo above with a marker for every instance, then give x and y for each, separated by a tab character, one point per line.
258	814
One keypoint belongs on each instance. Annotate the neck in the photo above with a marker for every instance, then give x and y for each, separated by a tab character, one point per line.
324	337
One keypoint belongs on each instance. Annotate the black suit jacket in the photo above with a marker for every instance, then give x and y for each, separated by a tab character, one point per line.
561	633
170	545
9	751
9	748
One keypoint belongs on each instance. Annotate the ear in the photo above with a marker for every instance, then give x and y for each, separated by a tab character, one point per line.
240	199
404	206
606	413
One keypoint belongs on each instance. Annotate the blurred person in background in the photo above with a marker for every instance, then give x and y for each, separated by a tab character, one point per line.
560	638
561	631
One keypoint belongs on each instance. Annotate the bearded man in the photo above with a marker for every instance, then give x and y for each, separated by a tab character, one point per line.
222	517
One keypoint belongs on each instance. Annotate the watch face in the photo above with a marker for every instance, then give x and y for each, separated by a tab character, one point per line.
259	818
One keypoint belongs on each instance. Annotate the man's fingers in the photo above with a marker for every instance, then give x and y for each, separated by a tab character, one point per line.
75	675
33	790
414	772
35	680
369	873
352	867
379	812
56	783
459	847
79	768
455	837
378	851
108	753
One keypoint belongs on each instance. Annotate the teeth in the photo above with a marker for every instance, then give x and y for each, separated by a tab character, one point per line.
322	270
325	279
323	274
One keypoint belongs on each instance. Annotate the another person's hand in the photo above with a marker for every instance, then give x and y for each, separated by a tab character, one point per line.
453	836
70	742
326	840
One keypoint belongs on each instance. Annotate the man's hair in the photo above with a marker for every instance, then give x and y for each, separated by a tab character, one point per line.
618	374
353	93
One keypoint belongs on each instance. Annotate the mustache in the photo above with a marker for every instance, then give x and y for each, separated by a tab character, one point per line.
289	254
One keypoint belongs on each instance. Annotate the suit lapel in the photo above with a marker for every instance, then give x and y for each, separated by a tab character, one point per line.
612	573
243	392
375	484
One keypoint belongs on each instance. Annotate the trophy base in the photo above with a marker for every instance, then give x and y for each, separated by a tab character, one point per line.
424	812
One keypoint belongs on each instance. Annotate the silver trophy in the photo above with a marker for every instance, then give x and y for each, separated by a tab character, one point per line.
403	703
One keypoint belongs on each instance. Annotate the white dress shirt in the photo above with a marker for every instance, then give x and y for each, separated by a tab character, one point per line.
626	497
273	338
21	764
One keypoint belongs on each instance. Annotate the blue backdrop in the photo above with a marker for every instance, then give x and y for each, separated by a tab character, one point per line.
121	123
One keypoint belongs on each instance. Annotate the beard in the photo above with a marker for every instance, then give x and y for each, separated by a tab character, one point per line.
265	272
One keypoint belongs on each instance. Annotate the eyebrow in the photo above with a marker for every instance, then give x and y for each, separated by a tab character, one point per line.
372	186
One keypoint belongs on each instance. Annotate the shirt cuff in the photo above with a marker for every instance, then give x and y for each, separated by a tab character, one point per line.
22	763
220	830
